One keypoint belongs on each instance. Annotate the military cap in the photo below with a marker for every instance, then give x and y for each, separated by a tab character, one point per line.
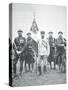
20	31
60	32
50	32
28	33
42	32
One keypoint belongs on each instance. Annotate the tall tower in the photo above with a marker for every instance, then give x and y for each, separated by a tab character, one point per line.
34	27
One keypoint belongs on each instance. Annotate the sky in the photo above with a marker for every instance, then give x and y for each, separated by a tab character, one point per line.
48	18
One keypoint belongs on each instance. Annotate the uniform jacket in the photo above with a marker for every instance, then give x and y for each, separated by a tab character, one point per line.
51	41
43	47
60	43
29	49
19	43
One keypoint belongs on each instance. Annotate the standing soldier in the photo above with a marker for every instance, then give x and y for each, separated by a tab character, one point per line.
52	49
60	44
43	52
29	53
19	47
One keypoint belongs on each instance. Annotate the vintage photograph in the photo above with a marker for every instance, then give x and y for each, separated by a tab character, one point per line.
37	44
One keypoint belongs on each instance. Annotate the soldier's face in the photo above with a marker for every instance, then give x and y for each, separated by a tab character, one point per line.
50	34
29	35
42	36
19	33
60	34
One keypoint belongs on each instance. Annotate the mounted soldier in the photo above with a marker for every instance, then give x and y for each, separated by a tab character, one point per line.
29	52
51	58
60	45
19	48
43	52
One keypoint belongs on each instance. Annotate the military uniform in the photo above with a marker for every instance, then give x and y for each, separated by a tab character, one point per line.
43	52
60	43
29	53
52	50
19	48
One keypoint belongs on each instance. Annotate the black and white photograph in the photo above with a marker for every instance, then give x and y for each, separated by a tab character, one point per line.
37	44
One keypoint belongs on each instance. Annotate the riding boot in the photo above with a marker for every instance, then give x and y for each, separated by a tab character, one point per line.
44	69
39	70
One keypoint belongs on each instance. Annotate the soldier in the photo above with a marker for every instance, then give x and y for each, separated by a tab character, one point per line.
60	44
29	53
19	47
52	49
43	52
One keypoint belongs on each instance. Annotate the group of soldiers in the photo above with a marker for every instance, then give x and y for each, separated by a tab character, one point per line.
47	50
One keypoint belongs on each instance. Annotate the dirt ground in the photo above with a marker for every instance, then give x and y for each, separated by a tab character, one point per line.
32	79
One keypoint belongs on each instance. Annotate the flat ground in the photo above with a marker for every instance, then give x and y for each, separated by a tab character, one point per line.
49	78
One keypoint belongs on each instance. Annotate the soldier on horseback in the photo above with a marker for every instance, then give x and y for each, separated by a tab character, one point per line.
19	48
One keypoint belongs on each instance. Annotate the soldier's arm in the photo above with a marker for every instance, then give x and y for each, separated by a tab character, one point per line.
48	48
25	44
14	44
38	46
56	42
64	42
59	44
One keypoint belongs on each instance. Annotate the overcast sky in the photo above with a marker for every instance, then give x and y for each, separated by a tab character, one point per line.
48	18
